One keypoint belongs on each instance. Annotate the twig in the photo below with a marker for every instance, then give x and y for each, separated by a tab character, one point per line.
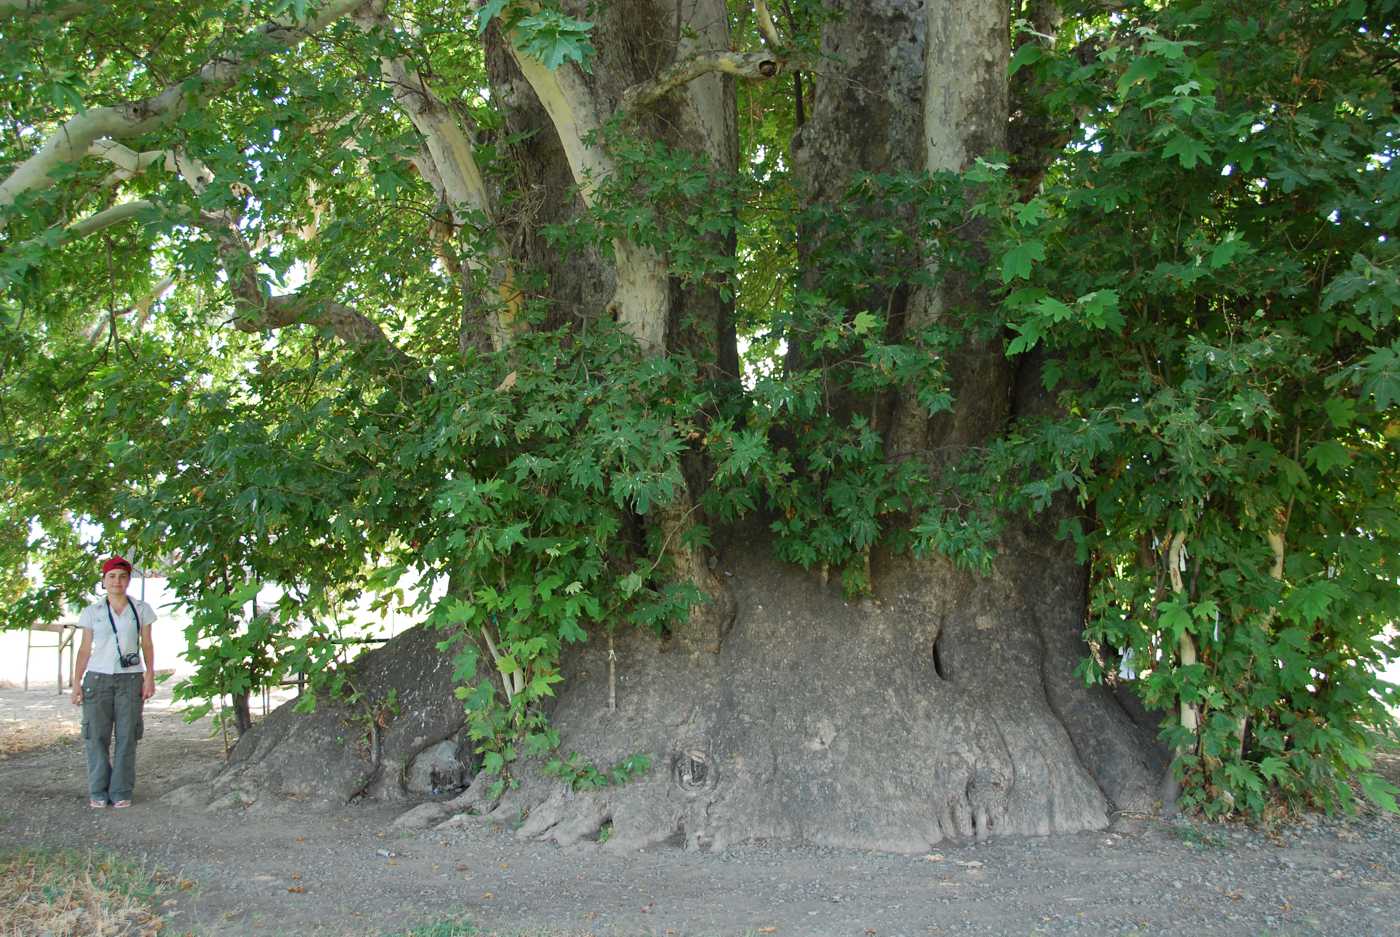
612	675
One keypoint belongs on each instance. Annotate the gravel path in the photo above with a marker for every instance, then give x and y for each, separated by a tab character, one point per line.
294	870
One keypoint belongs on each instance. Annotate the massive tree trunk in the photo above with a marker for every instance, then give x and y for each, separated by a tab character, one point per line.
943	706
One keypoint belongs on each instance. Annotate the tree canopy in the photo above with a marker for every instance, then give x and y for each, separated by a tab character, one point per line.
283	302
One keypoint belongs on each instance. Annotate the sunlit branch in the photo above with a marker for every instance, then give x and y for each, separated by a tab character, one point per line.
130	163
765	24
142	307
70	142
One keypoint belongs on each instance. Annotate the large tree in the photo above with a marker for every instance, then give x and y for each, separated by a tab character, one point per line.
861	424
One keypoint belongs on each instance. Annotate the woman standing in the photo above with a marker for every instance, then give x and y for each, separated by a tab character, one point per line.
112	682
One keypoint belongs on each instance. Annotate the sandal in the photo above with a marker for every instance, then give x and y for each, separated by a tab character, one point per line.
122	803
96	804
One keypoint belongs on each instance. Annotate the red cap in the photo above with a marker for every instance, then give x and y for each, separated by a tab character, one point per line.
116	562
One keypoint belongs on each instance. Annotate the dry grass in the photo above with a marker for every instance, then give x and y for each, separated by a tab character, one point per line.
17	736
64	893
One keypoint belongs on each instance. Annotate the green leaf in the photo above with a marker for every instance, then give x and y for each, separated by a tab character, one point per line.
1379	790
1273	768
1143	68
1226	250
554	38
1187	149
1340	410
1028	54
1099	310
488	11
1174	618
1017	261
1327	455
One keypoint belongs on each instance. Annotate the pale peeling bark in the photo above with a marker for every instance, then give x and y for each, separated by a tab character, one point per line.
642	301
70	142
107	218
456	177
1188	713
765	23
965	104
965	85
751	65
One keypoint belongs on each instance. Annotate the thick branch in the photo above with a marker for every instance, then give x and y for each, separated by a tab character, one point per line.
448	162
349	325
755	65
765	24
123	211
70	142
129	163
1190	714
256	310
641	304
110	217
444	134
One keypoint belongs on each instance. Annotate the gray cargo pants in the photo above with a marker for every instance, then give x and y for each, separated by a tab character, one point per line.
111	706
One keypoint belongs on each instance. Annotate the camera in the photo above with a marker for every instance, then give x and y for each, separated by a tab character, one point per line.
129	660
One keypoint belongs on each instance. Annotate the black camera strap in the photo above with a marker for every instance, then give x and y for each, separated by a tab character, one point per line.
113	622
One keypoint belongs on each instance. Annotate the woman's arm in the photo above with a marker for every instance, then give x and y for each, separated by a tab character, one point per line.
80	667
148	654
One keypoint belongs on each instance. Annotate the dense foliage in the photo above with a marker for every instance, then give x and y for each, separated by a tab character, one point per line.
1206	270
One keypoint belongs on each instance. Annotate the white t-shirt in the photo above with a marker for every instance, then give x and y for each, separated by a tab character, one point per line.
104	647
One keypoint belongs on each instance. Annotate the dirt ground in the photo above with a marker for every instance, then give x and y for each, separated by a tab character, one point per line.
294	870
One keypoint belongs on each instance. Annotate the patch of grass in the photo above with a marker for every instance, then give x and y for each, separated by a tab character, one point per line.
1194	836
66	893
444	929
18	736
457	927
